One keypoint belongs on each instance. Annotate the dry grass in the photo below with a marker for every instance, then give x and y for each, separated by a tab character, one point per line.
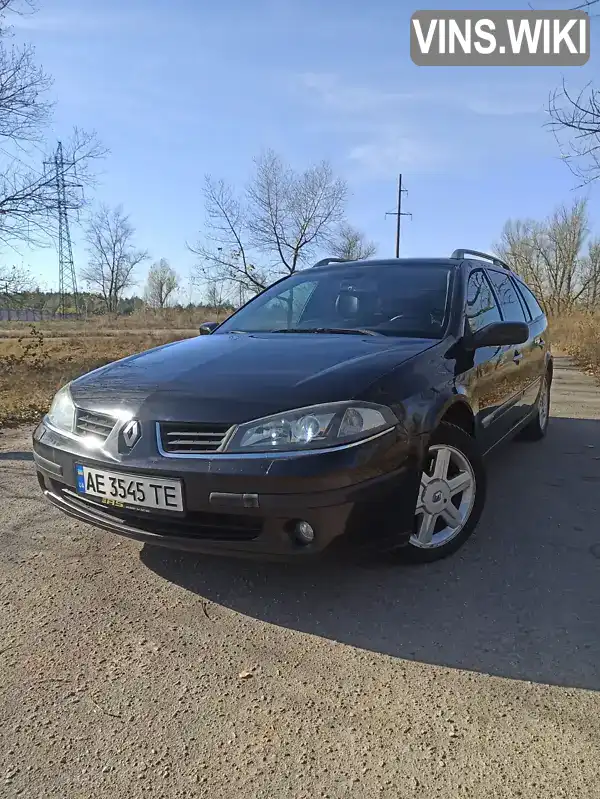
578	335
34	368
36	360
143	321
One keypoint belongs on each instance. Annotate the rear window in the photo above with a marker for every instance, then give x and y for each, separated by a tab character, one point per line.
535	309
510	304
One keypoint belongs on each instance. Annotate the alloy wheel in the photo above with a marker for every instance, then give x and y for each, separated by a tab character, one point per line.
446	497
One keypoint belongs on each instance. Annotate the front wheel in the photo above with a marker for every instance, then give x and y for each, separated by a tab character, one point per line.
451	496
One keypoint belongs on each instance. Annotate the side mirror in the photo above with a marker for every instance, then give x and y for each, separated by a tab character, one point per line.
206	328
498	334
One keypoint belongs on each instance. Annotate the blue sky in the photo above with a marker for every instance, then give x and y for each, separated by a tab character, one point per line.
180	88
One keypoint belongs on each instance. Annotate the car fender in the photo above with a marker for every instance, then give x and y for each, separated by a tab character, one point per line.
454	405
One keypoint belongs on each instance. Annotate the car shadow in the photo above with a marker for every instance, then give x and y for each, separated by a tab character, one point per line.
520	600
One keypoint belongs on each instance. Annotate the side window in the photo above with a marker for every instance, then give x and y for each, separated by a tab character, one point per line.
286	308
481	309
529	298
512	310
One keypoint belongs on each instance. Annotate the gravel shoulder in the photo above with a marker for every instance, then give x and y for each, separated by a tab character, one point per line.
479	676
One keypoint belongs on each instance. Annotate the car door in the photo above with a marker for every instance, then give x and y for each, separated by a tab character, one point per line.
539	340
490	380
525	356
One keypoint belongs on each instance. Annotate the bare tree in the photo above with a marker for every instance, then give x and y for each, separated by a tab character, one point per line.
564	238
577	116
162	283
28	190
23	86
517	247
225	255
351	244
549	256
291	214
217	299
14	282
272	228
591	276
112	255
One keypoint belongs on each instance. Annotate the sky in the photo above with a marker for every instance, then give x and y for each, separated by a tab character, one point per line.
177	89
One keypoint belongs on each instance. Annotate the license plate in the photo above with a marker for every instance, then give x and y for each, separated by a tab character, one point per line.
129	490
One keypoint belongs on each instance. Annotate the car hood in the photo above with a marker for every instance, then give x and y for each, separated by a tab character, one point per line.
232	378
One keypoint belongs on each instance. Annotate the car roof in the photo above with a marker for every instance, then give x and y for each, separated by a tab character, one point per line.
400	262
391	262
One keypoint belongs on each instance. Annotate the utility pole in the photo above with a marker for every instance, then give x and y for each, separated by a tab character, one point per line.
399	213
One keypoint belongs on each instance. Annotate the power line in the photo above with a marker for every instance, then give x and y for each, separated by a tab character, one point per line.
587	4
28	166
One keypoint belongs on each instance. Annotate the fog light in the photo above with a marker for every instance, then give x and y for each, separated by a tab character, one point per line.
305	533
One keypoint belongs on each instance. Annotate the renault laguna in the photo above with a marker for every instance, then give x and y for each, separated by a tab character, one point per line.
351	404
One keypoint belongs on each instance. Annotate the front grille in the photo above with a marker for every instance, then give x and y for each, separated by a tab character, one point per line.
92	423
195	524
188	439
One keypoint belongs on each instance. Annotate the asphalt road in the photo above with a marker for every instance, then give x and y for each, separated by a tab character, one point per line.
478	676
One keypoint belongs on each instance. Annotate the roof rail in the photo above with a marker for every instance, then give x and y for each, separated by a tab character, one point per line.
460	254
326	261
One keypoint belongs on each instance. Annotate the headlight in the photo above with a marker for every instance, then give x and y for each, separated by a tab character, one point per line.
62	411
313	427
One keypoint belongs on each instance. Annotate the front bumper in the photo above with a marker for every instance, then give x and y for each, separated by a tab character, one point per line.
360	497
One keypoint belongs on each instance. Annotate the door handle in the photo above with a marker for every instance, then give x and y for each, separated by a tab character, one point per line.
518	357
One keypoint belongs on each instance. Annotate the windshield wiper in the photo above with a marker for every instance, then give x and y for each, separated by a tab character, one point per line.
350	331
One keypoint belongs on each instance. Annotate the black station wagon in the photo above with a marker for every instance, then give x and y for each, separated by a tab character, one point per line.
349	404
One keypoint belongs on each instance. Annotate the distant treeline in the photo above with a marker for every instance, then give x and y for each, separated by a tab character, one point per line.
30	306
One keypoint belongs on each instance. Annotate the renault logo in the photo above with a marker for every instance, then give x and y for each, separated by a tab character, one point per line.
132	433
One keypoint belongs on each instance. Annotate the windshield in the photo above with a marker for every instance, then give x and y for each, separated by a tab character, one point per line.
394	300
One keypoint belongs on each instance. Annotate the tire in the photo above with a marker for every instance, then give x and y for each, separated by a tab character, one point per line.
449	445
537	428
